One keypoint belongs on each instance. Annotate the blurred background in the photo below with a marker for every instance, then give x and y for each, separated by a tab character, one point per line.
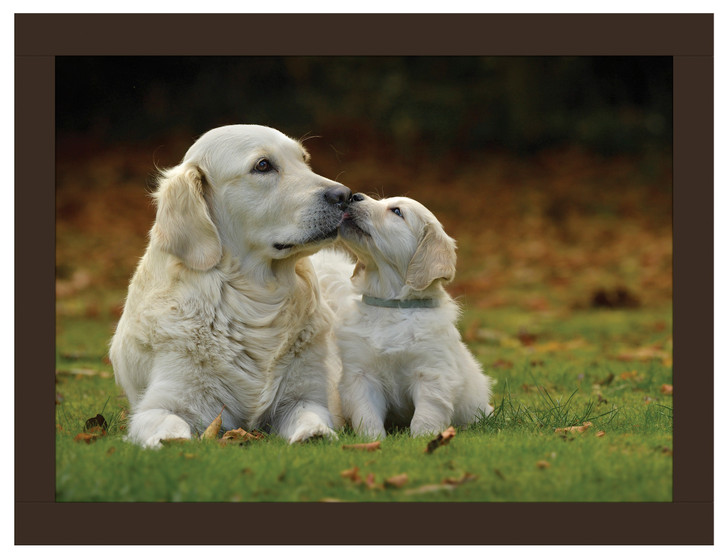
552	173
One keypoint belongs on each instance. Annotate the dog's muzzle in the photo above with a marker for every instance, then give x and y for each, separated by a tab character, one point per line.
338	196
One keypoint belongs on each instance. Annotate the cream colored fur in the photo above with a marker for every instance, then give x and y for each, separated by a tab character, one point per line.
224	307
405	366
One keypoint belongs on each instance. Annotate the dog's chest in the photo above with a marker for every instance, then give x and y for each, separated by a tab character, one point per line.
234	334
260	334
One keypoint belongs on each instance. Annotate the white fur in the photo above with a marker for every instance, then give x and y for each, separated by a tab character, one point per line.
407	366
224	307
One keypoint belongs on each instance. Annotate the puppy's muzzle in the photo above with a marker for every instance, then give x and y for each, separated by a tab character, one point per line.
338	196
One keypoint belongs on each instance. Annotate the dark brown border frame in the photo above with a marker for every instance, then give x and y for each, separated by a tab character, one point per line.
686	37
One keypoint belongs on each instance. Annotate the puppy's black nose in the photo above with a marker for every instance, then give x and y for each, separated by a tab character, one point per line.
338	195
356	198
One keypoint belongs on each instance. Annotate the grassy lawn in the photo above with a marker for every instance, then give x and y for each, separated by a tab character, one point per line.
599	366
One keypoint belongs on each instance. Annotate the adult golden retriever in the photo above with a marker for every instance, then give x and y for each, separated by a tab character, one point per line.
224	308
404	362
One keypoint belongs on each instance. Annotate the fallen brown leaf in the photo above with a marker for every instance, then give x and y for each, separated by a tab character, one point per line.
397	481
371	446
369	481
601	434
240	436
352	474
666	389
96	422
543	464
213	430
442	439
87	437
583	428
617	298
96	431
527	339
632	375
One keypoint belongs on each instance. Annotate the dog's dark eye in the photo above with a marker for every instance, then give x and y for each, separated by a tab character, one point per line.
263	165
397	212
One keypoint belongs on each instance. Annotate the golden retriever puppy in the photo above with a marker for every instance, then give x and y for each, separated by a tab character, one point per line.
224	308
404	362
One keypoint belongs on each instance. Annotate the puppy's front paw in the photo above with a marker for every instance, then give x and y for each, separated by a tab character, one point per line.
418	428
375	432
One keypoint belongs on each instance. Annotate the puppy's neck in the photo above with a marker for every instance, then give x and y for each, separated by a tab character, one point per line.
385	283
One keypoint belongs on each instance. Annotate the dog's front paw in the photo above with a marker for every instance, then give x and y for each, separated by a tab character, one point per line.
171	427
306	432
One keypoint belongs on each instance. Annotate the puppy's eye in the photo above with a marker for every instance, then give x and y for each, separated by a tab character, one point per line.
397	212
264	165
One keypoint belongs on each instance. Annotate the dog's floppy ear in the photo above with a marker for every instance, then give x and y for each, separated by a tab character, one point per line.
434	259
184	226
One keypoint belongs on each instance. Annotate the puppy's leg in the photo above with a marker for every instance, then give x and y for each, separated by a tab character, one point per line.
364	404
474	400
433	408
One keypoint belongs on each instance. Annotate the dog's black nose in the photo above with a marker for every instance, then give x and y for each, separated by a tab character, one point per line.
338	195
356	198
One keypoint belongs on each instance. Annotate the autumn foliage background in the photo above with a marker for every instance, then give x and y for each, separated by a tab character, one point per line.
553	173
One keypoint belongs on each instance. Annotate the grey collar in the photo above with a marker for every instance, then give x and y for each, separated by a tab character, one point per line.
395	303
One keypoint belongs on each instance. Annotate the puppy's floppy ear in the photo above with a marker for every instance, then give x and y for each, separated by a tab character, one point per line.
358	268
434	259
184	226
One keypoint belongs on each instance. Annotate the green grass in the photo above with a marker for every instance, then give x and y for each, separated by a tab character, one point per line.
552	371
548	233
